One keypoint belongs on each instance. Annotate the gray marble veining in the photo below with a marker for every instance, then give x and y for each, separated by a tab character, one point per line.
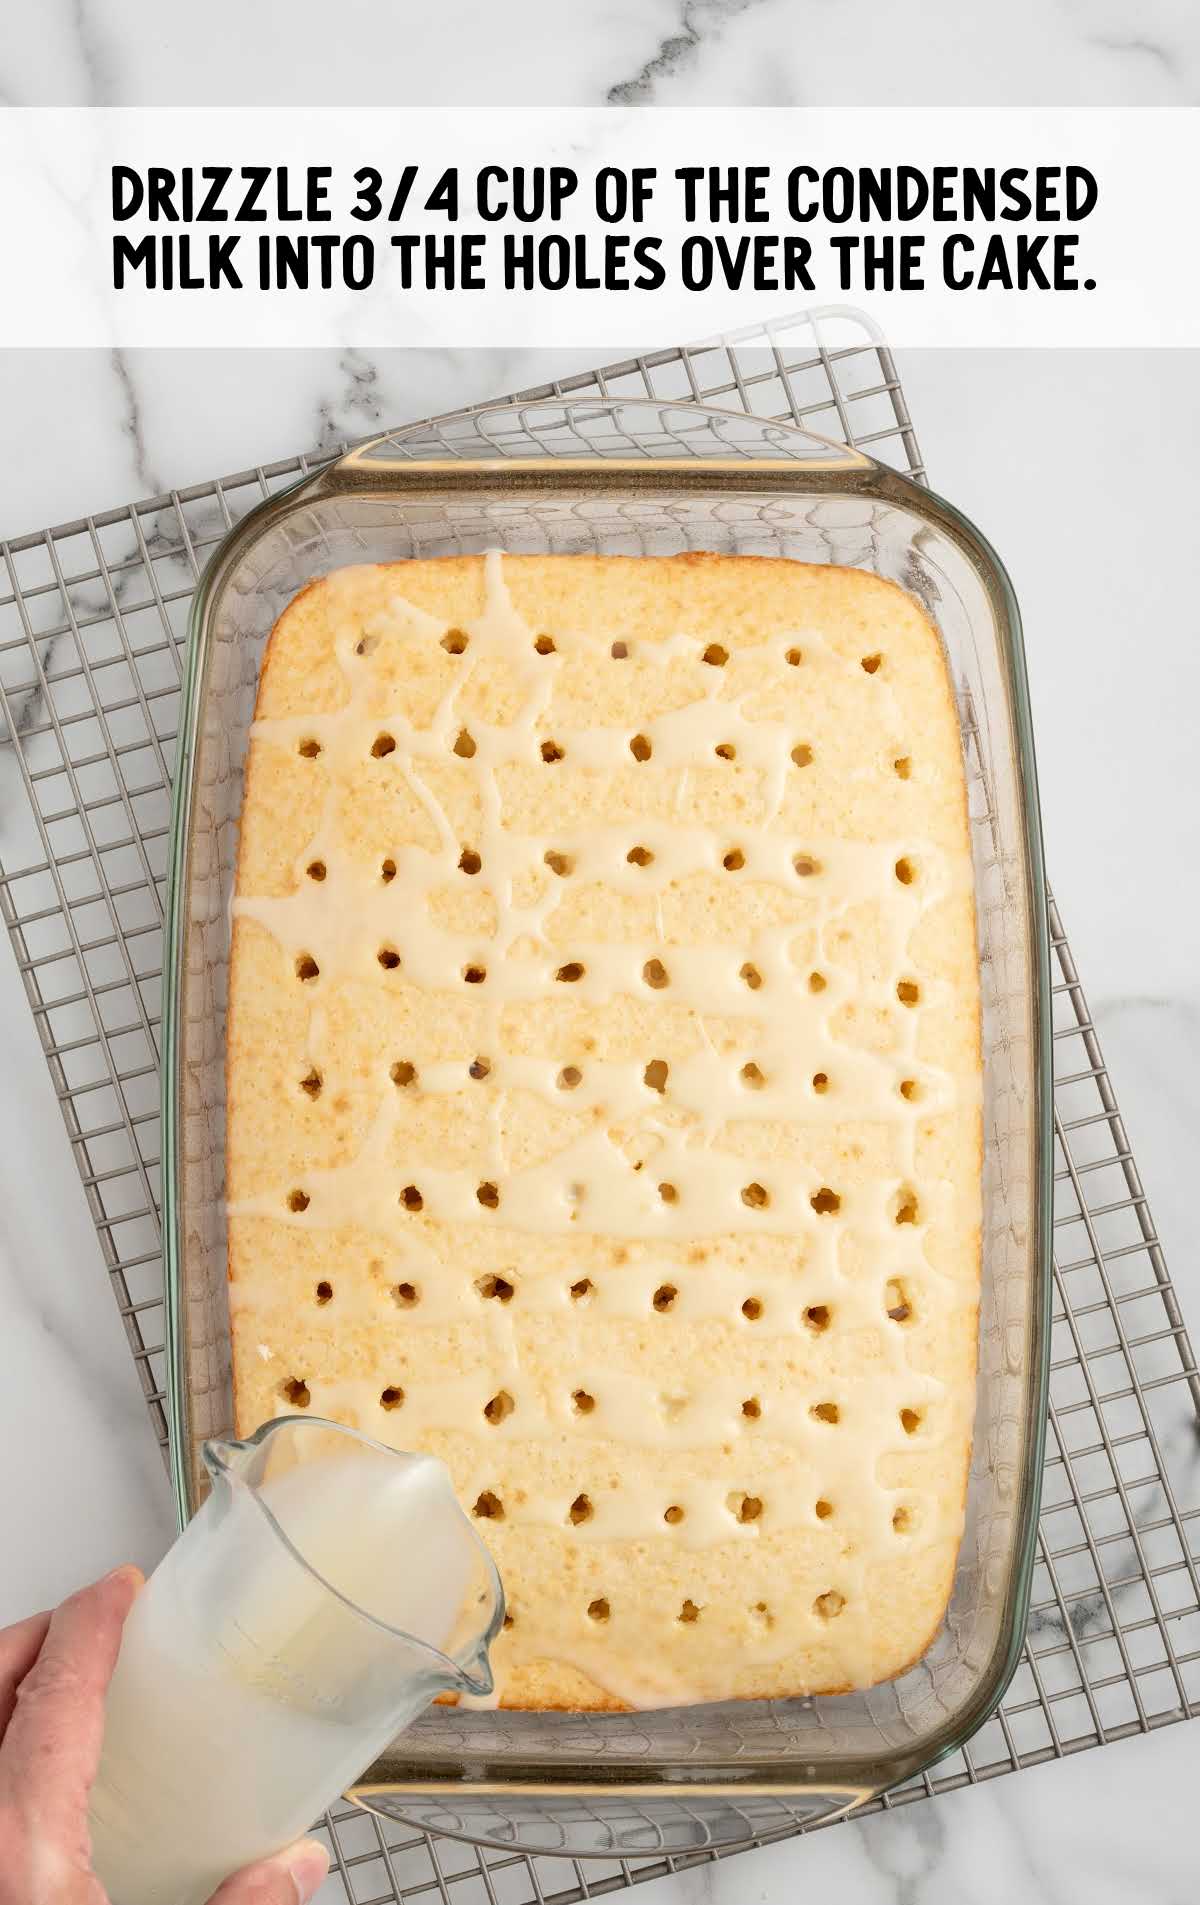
676	52
700	22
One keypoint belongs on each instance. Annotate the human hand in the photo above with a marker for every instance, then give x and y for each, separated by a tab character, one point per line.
54	1670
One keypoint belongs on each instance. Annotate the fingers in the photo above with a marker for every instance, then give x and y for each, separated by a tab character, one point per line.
51	1747
19	1648
290	1878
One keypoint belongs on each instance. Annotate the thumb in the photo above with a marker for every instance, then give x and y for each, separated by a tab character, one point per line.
290	1878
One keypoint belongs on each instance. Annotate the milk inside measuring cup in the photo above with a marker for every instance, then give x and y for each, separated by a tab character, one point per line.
280	1645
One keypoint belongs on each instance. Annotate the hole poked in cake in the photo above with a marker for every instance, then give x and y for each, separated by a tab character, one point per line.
552	751
544	645
829	1605
818	1317
392	1397
581	1510
664	1297
560	863
599	1609
411	1198
744	1508
403	1072
488	1507
316	870
689	1613
308	748
826	1412
295	1392
307	967
825	1202
488	1194
311	1083
571	973
469	861
734	860
383	745
495	1289
750	976
455	641
405	1296
755	1196
641	747
656	1074
897	1300
802	755
464	744
911	1420
906	1208
655	974
498	1408
324	1291
908	992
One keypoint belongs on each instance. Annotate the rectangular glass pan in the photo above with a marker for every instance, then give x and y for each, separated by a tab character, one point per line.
633	478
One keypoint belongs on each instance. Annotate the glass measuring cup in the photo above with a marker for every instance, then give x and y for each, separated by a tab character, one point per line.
326	1591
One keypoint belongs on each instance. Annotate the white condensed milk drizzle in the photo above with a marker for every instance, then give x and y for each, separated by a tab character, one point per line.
661	1156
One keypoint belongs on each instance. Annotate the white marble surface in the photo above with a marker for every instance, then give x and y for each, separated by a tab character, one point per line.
665	52
1080	468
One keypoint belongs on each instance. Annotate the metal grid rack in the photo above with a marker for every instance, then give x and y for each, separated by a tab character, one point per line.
92	618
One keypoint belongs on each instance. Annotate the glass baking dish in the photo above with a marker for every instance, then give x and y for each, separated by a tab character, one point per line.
645	477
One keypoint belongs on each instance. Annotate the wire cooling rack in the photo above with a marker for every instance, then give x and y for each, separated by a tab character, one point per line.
92	619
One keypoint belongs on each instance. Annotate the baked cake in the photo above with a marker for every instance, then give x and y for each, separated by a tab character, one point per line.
604	1097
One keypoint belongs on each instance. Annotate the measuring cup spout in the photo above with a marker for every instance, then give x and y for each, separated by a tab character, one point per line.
473	1669
223	1456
